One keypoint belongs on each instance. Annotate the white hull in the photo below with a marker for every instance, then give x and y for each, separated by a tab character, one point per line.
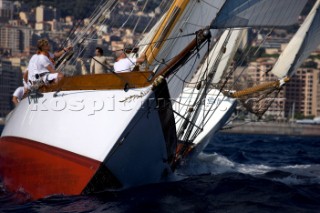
124	134
74	118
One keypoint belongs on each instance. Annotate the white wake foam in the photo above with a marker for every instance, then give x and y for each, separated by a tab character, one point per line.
219	164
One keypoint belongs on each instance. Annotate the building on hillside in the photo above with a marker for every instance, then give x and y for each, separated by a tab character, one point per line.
259	72
10	79
15	40
299	97
303	93
44	13
43	16
6	11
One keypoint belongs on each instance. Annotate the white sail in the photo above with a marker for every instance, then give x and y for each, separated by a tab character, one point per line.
195	16
148	37
218	108
301	45
199	14
250	13
230	48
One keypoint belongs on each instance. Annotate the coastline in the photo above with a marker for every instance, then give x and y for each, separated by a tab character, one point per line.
264	128
273	128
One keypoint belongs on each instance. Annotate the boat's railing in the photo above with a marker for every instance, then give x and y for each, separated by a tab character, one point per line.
106	81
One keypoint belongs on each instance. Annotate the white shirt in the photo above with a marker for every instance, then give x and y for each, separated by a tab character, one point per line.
19	93
37	65
125	64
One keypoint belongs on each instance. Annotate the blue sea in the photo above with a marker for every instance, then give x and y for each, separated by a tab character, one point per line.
236	173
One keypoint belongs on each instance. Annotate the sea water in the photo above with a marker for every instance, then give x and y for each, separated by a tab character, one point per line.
236	173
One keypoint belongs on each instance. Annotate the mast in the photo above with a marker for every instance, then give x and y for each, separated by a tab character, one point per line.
175	34
171	18
202	36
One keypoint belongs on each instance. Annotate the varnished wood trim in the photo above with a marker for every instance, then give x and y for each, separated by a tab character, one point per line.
101	82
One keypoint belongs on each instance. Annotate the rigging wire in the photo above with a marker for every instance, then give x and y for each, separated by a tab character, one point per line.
91	32
206	89
80	37
136	25
221	91
77	26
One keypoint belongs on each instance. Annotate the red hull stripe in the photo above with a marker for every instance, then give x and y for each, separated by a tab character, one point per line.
41	170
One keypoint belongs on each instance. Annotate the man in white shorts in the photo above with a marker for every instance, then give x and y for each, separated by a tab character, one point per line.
41	67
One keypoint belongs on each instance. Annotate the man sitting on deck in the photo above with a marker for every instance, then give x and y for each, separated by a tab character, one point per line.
125	64
41	66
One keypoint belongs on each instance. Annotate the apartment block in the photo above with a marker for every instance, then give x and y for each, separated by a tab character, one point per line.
10	79
15	40
259	73
6	10
301	96
45	13
302	93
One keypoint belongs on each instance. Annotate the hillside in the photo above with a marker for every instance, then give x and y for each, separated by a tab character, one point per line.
78	8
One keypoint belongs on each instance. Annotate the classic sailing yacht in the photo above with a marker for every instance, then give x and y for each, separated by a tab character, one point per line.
111	131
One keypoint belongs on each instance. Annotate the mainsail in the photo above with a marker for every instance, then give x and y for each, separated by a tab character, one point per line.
232	14
298	49
258	13
183	19
301	45
187	17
